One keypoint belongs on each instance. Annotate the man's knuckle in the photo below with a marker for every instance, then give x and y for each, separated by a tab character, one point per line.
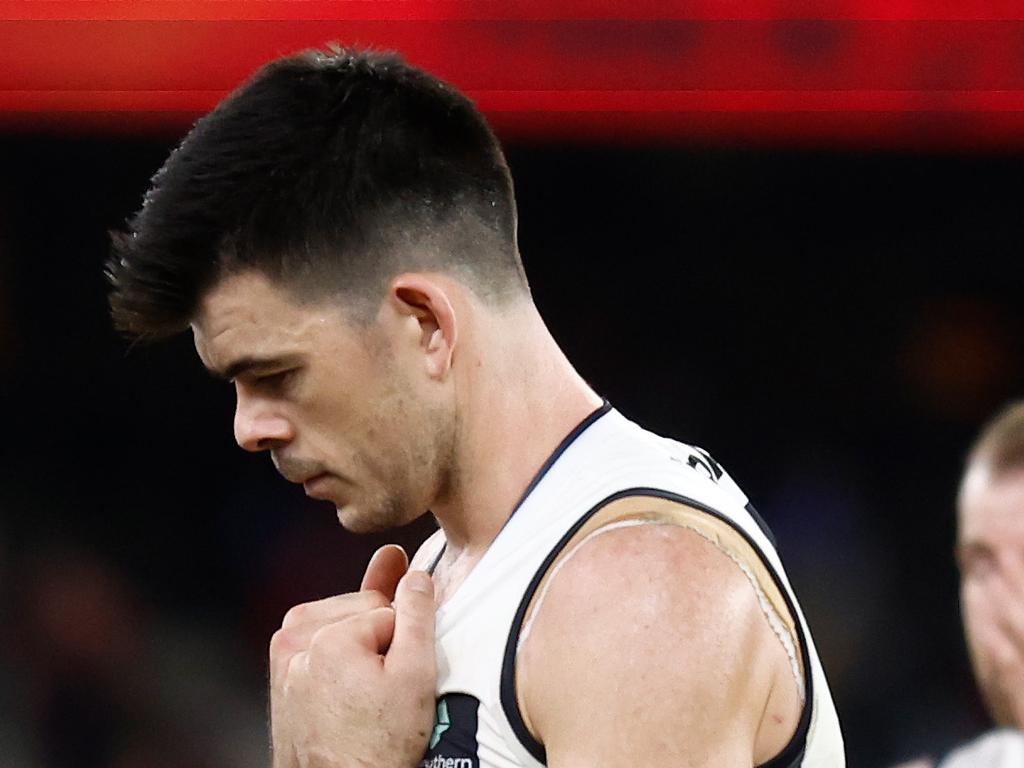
280	642
325	641
294	615
357	630
296	671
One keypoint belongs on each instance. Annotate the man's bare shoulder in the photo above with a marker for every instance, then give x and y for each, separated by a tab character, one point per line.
653	620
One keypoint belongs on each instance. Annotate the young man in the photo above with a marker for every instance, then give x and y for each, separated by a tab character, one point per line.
990	552
340	234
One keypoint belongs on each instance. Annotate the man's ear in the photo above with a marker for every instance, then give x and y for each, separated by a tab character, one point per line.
431	321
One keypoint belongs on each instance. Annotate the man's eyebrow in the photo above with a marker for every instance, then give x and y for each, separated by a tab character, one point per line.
248	364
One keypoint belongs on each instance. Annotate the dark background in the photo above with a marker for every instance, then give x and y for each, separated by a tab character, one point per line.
833	326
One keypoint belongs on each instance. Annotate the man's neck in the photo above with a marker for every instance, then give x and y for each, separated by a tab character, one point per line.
517	402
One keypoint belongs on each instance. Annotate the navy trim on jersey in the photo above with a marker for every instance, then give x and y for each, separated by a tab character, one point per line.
791	755
568	440
762	524
433	566
700	457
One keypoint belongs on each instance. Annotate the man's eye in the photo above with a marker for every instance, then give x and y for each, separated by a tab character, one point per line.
274	379
976	564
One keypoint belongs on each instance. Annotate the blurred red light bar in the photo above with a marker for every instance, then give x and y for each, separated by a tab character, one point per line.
926	75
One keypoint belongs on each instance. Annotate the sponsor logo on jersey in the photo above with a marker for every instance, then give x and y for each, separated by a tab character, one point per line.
447	762
441	723
453	741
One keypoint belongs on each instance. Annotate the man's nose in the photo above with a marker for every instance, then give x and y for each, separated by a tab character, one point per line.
258	427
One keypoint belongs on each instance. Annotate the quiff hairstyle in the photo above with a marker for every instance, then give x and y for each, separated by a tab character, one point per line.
329	172
1000	445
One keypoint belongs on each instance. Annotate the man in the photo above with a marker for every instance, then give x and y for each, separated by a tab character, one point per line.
990	553
340	234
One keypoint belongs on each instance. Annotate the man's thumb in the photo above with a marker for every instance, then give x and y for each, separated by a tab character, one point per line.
387	566
412	647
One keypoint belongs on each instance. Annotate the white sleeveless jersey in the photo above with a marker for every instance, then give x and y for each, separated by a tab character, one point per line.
607	457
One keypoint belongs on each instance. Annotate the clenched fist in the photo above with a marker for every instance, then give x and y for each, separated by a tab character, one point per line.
352	677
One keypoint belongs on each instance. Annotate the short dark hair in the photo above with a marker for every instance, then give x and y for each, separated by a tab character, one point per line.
1001	441
329	171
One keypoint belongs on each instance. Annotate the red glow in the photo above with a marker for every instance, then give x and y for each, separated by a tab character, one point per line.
881	73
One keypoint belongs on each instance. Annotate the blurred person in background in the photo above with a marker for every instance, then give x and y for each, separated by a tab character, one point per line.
94	678
990	554
340	235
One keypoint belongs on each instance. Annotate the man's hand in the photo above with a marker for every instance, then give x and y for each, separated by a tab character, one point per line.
352	677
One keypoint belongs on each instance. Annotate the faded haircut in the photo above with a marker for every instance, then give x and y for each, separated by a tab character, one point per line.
329	172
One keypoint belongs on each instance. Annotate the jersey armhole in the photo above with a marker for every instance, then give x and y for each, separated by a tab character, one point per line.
644	505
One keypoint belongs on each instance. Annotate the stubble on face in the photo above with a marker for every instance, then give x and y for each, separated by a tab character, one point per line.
409	454
381	434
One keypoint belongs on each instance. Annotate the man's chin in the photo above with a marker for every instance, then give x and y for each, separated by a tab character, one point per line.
358	519
355	520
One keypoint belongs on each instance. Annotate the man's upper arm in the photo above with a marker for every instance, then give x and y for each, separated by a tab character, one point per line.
646	651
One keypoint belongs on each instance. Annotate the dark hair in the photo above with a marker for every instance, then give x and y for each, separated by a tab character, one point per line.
329	172
1001	442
